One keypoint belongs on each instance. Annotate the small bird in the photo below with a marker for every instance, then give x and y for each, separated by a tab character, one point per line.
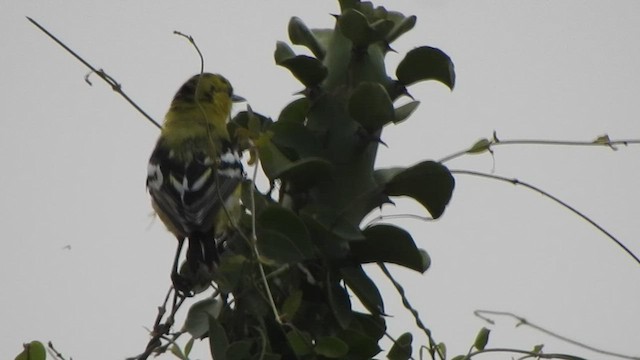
194	173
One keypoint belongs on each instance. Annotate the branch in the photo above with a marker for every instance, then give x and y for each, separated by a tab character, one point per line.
523	321
557	200
115	86
486	145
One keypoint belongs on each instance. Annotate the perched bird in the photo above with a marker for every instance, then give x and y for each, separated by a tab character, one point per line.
194	172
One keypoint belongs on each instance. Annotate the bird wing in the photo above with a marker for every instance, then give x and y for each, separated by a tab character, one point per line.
191	194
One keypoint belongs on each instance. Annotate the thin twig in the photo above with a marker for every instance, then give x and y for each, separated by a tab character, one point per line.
554	198
55	352
528	354
487	145
115	86
523	321
193	42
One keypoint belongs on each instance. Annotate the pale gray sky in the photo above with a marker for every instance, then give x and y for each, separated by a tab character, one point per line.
74	162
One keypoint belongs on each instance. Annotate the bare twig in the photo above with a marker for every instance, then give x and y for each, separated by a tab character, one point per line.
486	145
522	321
115	86
554	198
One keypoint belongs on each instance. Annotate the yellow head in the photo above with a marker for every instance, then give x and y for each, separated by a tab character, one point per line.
203	101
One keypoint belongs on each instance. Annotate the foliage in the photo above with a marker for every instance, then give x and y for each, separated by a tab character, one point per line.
320	155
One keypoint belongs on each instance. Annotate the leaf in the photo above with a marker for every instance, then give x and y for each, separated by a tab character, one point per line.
218	341
426	63
403	112
239	350
480	146
296	137
388	243
401	349
308	70
33	351
442	350
371	106
283	52
177	352
401	27
364	288
272	159
283	237
197	321
300	34
361	346
461	357
331	347
300	342
188	346
355	27
428	182
295	111
482	338
537	349
291	305
340	304
305	173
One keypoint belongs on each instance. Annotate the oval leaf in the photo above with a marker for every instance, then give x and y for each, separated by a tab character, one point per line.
295	111
32	351
331	347
388	243
364	288
283	52
371	106
308	70
426	63
283	237
355	27
482	339
197	321
404	111
401	349
300	34
218	341
430	183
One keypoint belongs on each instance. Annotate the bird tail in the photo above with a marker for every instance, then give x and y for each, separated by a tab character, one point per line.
202	251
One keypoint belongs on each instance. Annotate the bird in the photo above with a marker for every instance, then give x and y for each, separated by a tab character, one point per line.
195	172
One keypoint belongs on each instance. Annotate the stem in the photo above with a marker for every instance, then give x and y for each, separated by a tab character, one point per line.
115	86
554	198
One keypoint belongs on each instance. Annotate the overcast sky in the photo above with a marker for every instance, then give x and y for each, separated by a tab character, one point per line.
74	164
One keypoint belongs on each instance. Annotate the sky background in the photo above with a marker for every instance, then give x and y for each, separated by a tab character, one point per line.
74	164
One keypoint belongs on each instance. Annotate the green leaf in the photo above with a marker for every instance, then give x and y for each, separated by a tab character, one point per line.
537	349
331	347
296	137
283	237
426	63
355	27
177	352
371	106
340	304
272	159
388	243
461	357
480	146
291	305
401	27
197	321
482	338
442	350
218	341
305	173
283	52
373	326
300	34
33	351
300	342
308	70
295	111
188	346
404	111
360	345
401	349
430	183
239	350
364	288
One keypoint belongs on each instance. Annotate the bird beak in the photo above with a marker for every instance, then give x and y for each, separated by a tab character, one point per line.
237	98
